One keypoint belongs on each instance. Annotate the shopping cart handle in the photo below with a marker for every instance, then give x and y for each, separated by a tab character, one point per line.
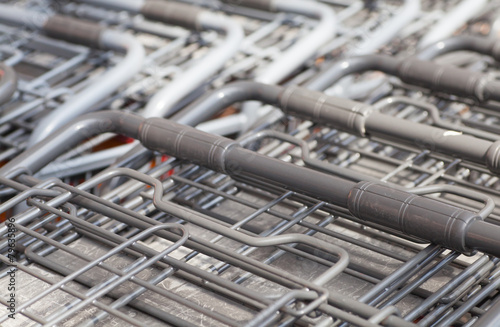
340	113
254	4
178	14
74	30
414	215
450	79
456	228
441	78
349	116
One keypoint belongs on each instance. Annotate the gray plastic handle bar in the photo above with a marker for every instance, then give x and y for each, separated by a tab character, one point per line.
456	228
350	116
482	45
173	13
436	77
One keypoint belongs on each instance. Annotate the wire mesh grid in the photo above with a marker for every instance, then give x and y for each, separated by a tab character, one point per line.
206	252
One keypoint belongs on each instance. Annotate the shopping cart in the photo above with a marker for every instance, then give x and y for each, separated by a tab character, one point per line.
206	199
257	239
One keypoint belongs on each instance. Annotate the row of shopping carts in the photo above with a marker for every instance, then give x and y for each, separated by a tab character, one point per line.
249	163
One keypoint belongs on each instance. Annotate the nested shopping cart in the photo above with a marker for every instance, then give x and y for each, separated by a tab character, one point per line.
246	240
300	221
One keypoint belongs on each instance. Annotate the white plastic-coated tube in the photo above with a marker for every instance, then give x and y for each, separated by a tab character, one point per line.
224	126
128	5
390	29
409	11
189	80
447	25
98	89
284	65
162	103
82	164
20	17
307	46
